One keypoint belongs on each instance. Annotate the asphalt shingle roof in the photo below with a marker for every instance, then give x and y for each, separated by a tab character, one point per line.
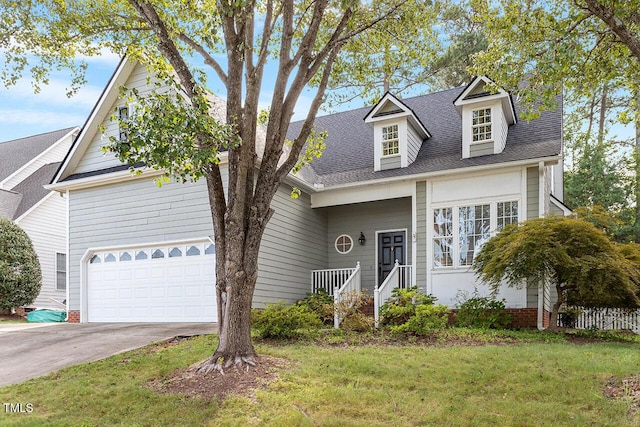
349	151
16	153
32	188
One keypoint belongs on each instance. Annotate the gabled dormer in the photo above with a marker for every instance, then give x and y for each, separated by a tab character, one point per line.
486	117
397	133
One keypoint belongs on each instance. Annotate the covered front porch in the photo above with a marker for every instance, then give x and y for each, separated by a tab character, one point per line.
370	249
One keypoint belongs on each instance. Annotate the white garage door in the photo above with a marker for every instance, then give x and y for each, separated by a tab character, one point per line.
154	284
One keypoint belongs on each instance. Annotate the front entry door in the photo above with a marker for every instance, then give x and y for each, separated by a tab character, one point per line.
391	247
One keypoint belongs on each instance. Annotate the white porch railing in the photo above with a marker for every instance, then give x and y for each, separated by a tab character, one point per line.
350	289
330	279
607	319
399	277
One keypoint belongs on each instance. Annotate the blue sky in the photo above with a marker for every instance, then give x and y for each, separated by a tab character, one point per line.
24	113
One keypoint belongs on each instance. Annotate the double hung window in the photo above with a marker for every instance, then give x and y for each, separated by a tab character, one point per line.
481	125
390	141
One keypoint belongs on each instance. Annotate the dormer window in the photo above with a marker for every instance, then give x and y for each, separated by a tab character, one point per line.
397	134
481	125
486	117
390	142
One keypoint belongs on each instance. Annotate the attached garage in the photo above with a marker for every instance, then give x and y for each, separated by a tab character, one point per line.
160	283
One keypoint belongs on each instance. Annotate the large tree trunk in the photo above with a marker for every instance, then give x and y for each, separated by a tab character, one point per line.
234	337
636	160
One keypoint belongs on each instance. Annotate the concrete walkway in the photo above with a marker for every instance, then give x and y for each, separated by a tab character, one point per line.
29	350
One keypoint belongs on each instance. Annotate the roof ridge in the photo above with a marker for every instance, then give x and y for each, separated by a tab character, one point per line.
40	134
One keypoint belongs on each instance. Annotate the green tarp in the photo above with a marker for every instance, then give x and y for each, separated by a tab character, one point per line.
42	316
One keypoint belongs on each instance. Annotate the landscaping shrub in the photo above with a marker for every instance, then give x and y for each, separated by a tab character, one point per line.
282	321
569	317
427	318
20	274
402	305
320	303
350	311
483	313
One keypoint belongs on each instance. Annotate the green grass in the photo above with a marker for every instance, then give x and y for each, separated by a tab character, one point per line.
512	378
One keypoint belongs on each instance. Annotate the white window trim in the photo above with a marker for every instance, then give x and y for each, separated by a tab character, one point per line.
397	140
455	211
335	244
483	141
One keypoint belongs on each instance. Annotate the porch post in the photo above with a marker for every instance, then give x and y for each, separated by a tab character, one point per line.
336	301
376	306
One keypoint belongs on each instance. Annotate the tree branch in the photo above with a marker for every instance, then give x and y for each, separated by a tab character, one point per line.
616	26
208	59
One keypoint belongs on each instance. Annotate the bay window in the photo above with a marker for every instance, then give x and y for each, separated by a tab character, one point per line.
460	231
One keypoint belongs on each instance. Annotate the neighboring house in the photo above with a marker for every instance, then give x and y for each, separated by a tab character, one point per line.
26	165
423	181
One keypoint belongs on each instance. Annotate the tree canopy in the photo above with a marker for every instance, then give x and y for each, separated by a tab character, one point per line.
20	275
579	260
297	44
574	44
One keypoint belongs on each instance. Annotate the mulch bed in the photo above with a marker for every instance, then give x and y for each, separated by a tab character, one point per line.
239	382
628	389
12	317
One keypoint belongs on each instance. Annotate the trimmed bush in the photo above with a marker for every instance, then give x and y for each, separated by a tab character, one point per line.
20	274
426	319
482	313
350	311
402	305
282	321
320	303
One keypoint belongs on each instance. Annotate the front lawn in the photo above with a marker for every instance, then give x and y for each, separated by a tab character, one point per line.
457	378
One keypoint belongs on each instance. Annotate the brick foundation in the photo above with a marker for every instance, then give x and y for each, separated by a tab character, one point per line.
20	311
73	316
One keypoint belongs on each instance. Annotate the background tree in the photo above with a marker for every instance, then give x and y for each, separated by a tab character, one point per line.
174	131
590	49
407	55
579	260
20	274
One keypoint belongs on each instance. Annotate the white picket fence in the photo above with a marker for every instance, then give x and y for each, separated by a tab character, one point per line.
606	319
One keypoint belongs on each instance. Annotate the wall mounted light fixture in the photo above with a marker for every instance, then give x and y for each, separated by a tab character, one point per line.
362	240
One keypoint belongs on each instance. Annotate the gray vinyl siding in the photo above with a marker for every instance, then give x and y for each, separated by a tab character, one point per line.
130	213
390	162
413	144
555	210
533	196
366	218
503	134
421	234
294	243
46	226
138	212
483	149
94	158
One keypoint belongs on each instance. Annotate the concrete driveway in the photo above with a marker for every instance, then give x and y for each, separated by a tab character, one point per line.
34	349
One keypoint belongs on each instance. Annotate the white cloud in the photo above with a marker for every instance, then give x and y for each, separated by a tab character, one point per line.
106	57
40	118
53	94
